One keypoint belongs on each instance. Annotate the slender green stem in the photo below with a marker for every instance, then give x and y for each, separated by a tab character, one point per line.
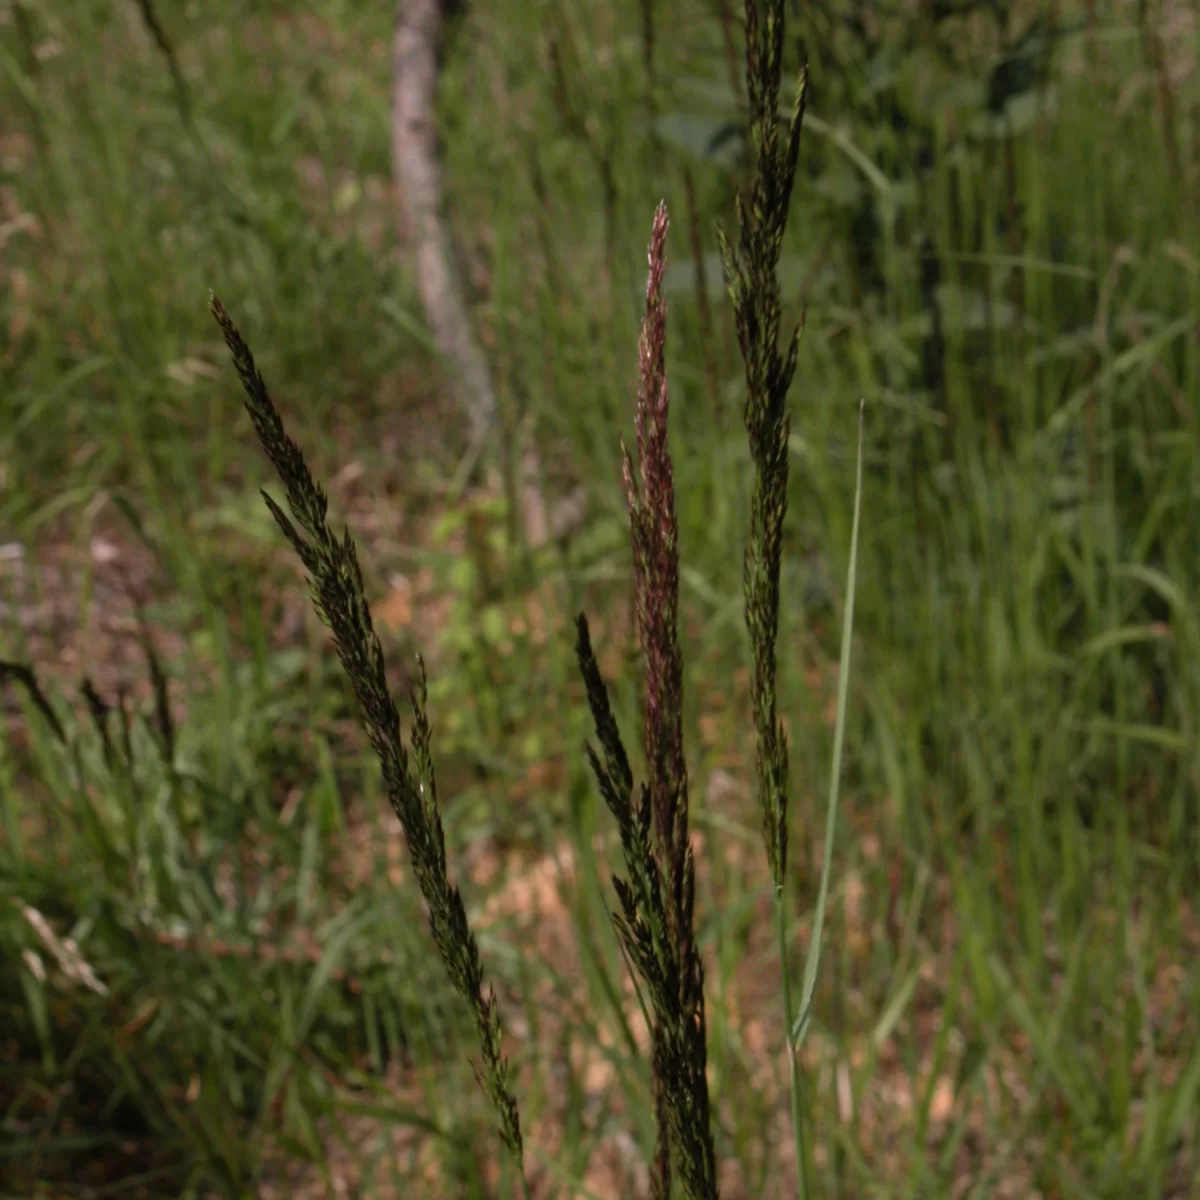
800	1028
793	1064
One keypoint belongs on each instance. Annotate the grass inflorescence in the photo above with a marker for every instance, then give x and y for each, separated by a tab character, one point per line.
336	583
656	898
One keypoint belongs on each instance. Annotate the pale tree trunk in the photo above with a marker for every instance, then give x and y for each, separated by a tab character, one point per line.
418	186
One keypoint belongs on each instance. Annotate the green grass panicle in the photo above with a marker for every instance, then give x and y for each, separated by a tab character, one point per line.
752	280
336	584
751	276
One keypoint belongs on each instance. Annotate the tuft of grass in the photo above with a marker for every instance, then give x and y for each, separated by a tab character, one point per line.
655	917
656	898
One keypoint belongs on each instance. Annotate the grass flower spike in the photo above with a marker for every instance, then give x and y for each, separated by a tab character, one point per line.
336	584
656	897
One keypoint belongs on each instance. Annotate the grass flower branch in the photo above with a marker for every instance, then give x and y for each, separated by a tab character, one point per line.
752	279
655	917
751	276
336	584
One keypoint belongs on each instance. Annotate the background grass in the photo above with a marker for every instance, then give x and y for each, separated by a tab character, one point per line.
995	238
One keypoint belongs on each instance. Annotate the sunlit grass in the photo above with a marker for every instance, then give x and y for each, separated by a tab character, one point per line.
1008	991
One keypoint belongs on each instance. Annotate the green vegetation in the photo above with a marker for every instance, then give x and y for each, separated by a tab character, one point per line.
216	974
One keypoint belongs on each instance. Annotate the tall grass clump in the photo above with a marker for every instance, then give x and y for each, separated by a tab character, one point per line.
654	917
